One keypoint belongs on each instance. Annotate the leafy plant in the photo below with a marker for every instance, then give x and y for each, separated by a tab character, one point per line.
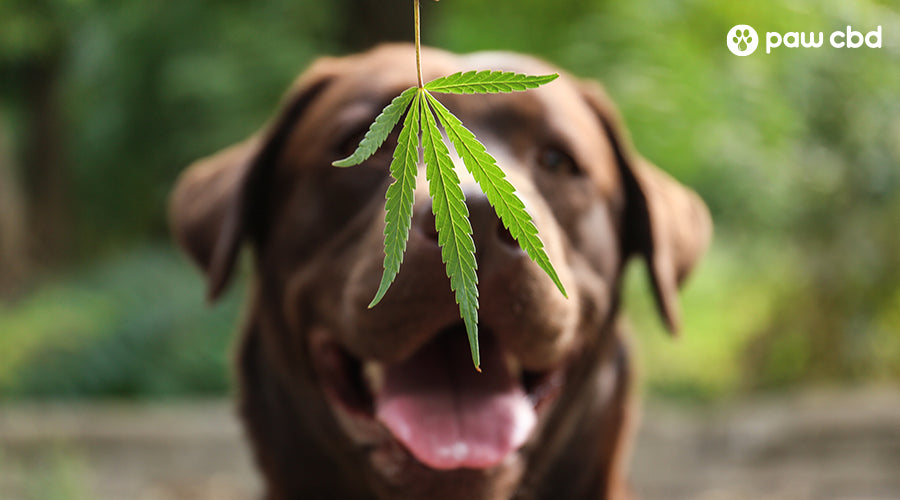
420	132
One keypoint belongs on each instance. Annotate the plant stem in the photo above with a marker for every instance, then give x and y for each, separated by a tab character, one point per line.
418	43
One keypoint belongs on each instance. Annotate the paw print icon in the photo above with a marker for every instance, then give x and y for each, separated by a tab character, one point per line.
742	40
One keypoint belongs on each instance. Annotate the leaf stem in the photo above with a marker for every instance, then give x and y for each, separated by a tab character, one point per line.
418	23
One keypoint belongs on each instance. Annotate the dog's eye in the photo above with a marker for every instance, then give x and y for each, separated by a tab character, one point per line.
557	161
349	143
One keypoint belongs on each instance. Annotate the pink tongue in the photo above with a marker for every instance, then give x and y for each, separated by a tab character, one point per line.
448	415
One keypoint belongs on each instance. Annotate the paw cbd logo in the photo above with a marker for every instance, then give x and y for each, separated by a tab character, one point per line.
742	40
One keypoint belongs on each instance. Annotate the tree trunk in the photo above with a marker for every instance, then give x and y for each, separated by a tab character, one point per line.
370	22
13	241
46	177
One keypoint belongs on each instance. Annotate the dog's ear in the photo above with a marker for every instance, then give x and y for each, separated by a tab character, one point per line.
220	200
665	222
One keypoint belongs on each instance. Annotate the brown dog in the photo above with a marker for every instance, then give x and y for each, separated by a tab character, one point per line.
341	401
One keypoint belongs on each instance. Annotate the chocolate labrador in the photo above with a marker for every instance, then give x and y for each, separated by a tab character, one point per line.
342	401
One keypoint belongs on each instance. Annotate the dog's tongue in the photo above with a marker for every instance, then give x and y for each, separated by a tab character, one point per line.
448	415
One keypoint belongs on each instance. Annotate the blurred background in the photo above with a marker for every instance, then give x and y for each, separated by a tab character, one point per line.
792	318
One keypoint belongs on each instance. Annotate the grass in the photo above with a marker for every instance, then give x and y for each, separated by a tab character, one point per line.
63	475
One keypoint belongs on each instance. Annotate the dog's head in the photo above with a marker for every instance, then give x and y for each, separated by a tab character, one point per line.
397	378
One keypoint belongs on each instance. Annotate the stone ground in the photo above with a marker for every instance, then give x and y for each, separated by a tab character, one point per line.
799	447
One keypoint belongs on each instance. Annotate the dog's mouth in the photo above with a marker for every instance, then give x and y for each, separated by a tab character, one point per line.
434	403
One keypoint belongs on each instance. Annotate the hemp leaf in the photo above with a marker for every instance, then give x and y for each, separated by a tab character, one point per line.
486	82
451	216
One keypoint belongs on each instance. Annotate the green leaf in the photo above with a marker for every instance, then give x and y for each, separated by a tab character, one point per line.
451	219
380	129
499	191
400	198
487	82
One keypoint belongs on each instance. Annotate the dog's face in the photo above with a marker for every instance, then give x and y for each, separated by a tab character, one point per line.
394	388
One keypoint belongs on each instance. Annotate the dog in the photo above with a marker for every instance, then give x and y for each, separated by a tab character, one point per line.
343	401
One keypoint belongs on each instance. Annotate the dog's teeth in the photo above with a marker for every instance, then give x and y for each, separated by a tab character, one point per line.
374	375
513	366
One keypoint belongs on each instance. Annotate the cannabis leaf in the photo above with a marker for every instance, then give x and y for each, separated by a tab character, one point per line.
486	82
451	216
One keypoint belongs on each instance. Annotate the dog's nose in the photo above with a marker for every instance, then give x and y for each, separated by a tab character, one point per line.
487	229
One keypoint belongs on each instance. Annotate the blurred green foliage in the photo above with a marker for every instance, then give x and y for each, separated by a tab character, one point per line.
797	153
131	326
